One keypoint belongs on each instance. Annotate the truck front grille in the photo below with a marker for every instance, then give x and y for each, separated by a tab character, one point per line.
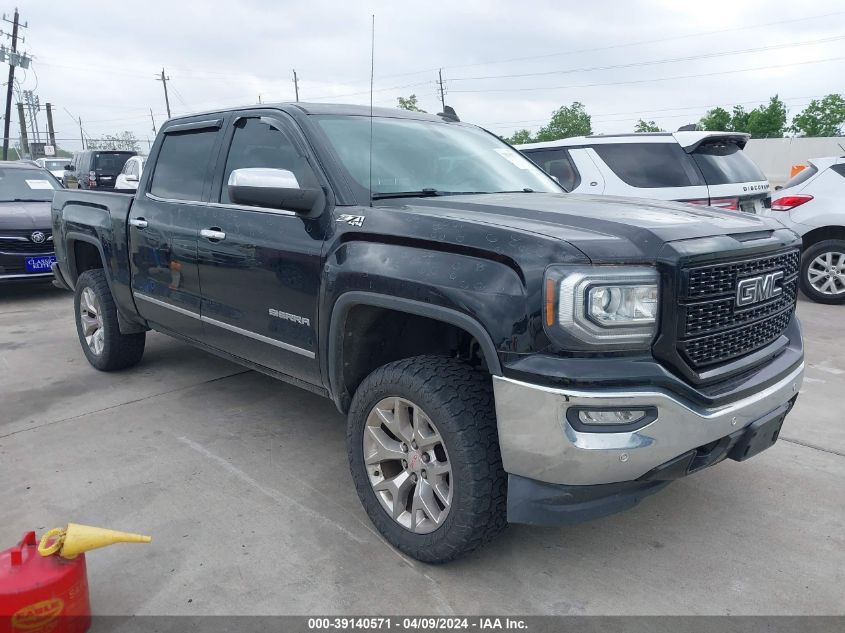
713	328
21	242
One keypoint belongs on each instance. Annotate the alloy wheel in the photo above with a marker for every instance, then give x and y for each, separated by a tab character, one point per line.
407	465
826	273
91	318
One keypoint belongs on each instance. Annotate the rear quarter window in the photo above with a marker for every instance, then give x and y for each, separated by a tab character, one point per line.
723	163
649	165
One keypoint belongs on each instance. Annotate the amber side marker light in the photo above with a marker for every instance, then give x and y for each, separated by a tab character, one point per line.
550	302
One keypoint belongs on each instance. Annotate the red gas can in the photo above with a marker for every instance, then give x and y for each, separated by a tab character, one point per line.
42	594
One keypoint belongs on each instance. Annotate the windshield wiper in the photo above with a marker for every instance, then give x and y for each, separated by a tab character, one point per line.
422	193
26	200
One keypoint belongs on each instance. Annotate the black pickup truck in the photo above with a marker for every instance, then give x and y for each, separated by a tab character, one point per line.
504	351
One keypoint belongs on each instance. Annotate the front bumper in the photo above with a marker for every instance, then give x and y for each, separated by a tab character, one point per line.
538	443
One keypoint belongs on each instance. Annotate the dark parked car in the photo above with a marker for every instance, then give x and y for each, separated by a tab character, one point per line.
95	169
26	239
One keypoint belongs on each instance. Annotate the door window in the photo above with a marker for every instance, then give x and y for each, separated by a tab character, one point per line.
257	143
557	163
181	169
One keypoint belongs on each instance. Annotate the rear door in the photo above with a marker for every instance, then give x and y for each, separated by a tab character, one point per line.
164	222
107	165
260	267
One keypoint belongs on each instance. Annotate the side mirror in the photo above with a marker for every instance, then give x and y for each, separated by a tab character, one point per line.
69	168
274	189
131	178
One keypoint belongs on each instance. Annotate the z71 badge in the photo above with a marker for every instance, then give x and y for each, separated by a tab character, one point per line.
351	220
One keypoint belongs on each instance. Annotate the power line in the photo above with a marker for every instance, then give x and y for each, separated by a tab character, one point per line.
653	62
639	81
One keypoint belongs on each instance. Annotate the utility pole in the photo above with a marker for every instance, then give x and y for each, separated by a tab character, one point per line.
13	61
22	121
296	85
152	118
33	104
442	91
164	81
81	135
51	132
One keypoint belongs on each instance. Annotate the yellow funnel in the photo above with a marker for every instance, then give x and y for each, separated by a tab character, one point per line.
76	539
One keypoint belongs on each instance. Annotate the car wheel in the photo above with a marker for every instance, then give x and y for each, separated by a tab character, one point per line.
96	324
823	272
424	454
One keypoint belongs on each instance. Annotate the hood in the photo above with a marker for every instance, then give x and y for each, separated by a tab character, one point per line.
602	227
23	216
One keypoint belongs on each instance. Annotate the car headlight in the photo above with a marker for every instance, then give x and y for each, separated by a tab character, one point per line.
611	307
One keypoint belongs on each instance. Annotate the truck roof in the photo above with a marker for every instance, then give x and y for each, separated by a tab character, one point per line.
323	108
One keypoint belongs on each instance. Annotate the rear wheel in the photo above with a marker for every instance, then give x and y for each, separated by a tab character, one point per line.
424	455
96	324
823	272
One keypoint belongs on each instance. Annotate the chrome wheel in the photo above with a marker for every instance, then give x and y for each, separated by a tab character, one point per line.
407	465
91	319
826	273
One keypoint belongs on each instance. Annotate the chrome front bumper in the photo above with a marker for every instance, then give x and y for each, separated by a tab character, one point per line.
538	442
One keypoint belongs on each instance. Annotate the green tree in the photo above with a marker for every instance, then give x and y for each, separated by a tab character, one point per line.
409	103
766	121
647	126
821	118
566	121
717	119
520	137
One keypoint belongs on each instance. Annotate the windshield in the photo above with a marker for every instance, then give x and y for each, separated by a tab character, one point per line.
55	164
723	162
26	185
434	157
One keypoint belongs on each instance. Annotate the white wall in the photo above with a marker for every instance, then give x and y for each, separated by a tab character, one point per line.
775	156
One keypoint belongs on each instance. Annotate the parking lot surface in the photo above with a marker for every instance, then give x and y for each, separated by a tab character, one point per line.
243	483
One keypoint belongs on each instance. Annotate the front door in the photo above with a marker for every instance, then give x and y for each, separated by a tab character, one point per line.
164	222
260	267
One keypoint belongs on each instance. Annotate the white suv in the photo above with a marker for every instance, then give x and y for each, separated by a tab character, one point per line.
707	168
812	204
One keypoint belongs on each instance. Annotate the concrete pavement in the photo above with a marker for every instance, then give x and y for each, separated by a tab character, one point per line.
244	485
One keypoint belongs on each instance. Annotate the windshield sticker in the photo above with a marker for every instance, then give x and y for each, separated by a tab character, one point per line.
513	156
39	184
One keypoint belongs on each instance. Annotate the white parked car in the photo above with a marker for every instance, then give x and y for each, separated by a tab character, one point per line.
707	168
55	166
130	174
812	204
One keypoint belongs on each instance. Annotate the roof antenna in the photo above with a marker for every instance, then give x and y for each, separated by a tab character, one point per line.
372	72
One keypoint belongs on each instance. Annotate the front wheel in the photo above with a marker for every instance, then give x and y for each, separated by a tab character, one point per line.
823	272
96	324
424	455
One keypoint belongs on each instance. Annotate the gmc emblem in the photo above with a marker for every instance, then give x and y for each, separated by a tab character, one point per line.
756	289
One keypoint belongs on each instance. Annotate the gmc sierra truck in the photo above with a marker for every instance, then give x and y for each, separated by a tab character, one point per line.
504	351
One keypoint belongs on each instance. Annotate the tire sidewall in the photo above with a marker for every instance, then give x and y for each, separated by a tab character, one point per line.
807	257
88	280
460	479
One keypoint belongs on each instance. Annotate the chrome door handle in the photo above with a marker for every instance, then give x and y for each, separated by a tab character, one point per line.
140	223
213	234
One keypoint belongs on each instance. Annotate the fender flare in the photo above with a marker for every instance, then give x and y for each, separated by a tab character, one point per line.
348	300
125	324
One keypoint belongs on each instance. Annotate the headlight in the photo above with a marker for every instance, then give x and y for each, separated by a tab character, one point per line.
610	307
